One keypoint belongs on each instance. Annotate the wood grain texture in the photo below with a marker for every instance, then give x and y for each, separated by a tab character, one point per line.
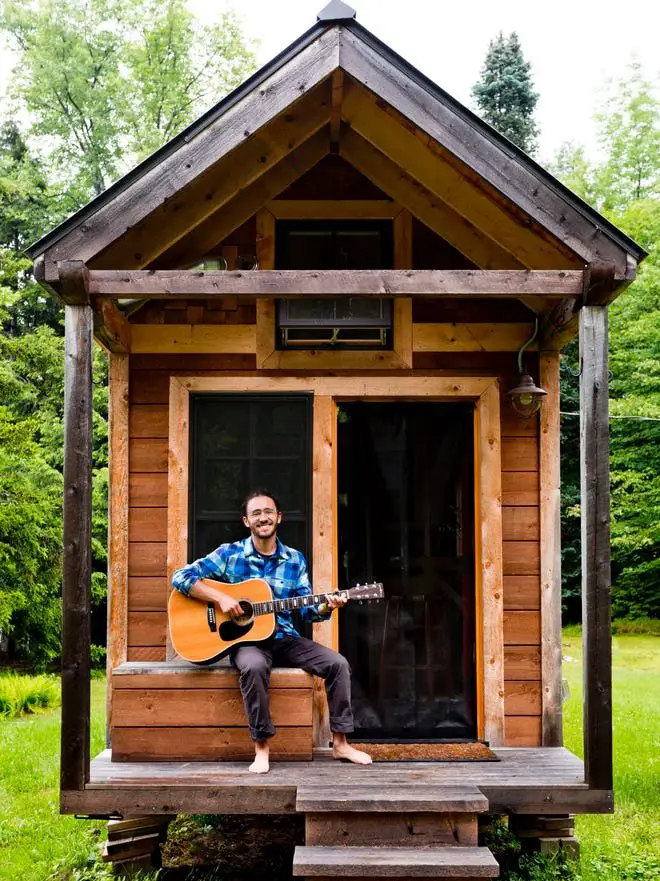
204	708
520	454
118	513
148	490
595	519
334	209
147	628
473	337
521	557
402	314
550	528
148	454
216	743
523	731
520	488
77	540
266	317
147	558
317	798
522	662
522	628
424	204
522	592
147	524
411	829
148	420
171	284
193	338
147	594
522	698
490	562
180	674
520	523
177	483
324	551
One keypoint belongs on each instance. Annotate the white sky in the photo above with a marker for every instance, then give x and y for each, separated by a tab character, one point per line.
574	46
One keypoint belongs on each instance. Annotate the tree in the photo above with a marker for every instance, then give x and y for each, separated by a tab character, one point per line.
625	187
504	94
108	81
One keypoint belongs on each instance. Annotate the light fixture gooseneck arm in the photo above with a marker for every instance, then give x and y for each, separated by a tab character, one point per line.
526	346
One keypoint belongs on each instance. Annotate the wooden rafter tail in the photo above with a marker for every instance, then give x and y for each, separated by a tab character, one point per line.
111	328
73	283
173	284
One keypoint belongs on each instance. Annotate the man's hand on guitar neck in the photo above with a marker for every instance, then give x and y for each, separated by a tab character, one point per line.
227	604
334	601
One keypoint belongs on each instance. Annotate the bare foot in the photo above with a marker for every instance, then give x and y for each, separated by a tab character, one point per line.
260	765
341	749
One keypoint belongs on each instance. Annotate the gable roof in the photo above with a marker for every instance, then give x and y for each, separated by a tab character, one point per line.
338	42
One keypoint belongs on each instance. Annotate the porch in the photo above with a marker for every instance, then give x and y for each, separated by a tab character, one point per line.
546	780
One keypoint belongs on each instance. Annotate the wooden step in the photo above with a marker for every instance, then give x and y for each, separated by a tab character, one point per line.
390	798
394	862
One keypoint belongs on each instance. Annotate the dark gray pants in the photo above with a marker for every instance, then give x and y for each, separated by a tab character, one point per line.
254	663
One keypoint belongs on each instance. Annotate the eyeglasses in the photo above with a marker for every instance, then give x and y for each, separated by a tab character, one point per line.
268	512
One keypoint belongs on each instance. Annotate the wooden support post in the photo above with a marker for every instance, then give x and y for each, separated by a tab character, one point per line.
595	508
118	446
550	524
76	584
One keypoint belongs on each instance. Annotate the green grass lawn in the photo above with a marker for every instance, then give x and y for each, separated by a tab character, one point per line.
626	845
37	844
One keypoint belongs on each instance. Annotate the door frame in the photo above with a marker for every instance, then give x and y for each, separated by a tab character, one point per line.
327	392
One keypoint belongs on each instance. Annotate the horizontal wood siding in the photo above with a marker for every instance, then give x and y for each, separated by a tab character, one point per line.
522	588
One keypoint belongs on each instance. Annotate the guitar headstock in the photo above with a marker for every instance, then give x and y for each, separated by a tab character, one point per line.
371	591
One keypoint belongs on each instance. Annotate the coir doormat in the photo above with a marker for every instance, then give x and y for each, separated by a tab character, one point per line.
428	752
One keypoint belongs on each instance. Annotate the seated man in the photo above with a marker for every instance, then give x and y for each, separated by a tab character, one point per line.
262	555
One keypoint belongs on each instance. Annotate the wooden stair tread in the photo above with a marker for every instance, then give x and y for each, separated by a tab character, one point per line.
393	862
314	798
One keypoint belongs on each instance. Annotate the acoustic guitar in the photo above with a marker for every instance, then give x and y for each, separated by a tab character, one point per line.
202	634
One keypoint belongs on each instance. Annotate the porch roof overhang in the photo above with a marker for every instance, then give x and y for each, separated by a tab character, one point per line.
338	88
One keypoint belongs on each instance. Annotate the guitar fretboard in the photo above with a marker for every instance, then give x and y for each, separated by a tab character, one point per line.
291	603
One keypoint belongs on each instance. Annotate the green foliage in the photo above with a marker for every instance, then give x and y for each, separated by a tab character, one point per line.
626	187
504	94
623	845
22	695
108	81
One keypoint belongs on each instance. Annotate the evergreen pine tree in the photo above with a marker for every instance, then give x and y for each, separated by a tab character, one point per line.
504	94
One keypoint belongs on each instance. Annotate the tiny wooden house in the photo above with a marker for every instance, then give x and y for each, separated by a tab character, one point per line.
324	286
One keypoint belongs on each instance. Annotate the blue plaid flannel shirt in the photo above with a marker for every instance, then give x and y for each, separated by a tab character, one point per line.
285	571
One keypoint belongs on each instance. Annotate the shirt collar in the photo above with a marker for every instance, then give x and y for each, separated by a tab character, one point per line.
281	550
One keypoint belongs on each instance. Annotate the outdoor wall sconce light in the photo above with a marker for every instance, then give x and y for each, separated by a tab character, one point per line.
526	396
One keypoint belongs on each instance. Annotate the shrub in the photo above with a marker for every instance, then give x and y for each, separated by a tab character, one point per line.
20	695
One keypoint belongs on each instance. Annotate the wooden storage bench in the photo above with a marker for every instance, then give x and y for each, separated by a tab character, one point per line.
172	711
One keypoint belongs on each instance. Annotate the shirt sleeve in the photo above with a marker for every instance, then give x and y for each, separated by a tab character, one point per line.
213	565
304	588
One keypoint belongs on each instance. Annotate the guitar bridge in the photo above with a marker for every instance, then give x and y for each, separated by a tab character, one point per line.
210	617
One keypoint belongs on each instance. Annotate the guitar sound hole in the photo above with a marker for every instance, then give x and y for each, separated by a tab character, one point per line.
234	628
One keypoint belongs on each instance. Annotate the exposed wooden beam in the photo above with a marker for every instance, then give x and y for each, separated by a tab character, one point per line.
73	282
333	209
486	156
335	112
596	576
77	538
429	164
111	328
173	284
196	339
162	181
196	244
141	244
600	286
471	337
425	205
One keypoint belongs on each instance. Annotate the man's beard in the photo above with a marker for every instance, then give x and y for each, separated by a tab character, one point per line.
256	533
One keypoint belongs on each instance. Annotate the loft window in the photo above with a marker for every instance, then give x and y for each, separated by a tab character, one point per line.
342	323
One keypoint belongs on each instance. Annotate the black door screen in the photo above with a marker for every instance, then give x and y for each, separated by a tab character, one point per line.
406	518
239	443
